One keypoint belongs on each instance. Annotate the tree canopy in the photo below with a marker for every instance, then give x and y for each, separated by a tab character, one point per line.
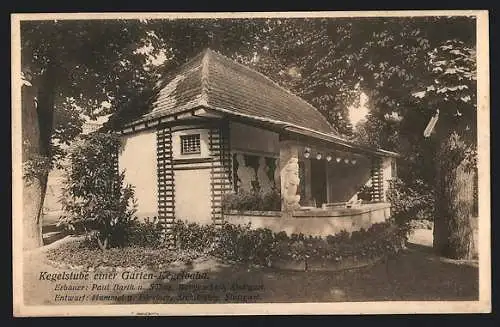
77	65
327	61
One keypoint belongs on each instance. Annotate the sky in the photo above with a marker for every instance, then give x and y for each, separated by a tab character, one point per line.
358	114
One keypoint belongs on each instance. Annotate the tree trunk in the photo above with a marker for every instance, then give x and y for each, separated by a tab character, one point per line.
32	189
453	233
32	217
37	125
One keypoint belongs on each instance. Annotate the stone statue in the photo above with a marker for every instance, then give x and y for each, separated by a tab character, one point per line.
290	184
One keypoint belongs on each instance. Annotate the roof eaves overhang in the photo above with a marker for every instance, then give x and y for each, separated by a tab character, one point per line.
148	121
201	109
329	138
333	139
161	115
205	110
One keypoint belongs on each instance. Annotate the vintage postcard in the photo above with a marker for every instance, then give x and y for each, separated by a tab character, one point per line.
251	163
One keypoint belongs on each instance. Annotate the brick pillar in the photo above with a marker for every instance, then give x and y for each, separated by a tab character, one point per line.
289	176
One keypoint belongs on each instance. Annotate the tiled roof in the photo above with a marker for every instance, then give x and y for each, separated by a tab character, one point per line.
214	81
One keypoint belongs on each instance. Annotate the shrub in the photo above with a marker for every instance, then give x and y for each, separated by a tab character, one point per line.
271	201
148	233
95	197
252	201
242	200
262	246
231	242
144	234
410	201
379	239
365	193
228	241
241	243
192	236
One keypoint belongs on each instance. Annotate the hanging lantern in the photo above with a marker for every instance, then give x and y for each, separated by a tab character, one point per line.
346	160
328	158
307	153
318	156
353	161
338	159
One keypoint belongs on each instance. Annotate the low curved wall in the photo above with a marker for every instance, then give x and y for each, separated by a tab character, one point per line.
314	222
323	265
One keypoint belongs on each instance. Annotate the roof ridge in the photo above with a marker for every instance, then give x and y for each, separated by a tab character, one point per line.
275	84
204	77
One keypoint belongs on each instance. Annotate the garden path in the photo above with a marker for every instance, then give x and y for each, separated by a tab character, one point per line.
414	275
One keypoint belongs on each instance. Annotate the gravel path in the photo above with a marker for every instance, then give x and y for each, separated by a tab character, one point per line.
35	262
414	275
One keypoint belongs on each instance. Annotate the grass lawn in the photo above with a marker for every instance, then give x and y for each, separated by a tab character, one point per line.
415	274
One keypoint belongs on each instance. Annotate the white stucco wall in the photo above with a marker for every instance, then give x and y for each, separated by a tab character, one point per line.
204	144
252	139
192	183
316	222
138	158
192	195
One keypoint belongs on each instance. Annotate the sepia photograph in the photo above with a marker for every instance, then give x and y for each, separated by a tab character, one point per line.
250	163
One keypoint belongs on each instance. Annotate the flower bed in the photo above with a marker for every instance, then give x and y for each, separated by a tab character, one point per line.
339	252
298	252
239	244
83	255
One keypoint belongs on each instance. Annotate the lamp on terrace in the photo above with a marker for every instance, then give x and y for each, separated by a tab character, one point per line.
307	152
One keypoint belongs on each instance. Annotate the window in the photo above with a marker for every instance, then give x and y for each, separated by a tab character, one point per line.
190	144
